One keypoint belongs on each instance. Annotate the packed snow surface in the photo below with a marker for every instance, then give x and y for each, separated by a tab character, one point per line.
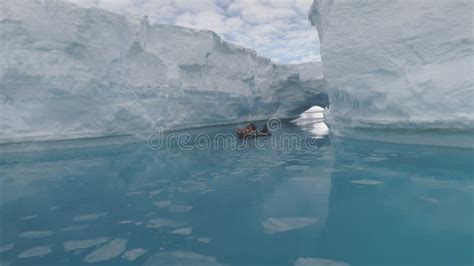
72	72
397	63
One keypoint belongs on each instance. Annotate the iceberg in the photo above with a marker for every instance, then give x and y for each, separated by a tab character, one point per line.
72	72
397	64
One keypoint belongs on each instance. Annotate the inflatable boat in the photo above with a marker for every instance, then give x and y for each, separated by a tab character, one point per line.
244	134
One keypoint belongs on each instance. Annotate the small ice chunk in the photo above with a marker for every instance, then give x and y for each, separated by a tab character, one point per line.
163	204
35	234
207	191
108	251
53	208
90	216
318	262
282	224
368	182
180	208
205	240
38	251
430	200
83	244
126	222
162	222
183	231
134	193
75	227
255	179
180	258
133	254
6	247
29	217
155	192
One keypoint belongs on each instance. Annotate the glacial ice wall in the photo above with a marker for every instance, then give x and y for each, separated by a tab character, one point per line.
71	72
397	63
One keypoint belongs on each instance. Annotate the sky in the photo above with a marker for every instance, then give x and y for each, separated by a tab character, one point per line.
277	29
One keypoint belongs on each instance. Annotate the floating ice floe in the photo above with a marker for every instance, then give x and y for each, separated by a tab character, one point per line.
205	240
38	251
75	227
368	182
275	225
126	222
180	208
133	254
183	231
162	222
6	247
207	191
375	159
162	204
90	216
35	234
430	200
192	185
134	193
155	192
29	217
255	179
180	258
84	244
318	262
108	251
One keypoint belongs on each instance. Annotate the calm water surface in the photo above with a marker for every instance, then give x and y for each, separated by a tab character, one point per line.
338	201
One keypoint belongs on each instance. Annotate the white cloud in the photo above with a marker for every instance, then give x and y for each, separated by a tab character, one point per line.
278	29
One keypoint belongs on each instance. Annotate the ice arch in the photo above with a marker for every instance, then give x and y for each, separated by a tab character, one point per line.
72	72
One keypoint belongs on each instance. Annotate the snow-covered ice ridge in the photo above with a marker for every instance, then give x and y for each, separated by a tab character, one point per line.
72	72
397	63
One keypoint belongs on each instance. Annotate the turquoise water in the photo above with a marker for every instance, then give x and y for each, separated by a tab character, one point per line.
331	200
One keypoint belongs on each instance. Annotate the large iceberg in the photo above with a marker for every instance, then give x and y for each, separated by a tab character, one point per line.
73	72
396	63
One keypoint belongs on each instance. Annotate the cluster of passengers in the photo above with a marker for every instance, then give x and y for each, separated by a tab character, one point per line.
251	131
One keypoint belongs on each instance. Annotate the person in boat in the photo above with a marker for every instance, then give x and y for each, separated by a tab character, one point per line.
250	128
248	131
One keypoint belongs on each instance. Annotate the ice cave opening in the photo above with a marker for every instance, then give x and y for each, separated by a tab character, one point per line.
313	120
